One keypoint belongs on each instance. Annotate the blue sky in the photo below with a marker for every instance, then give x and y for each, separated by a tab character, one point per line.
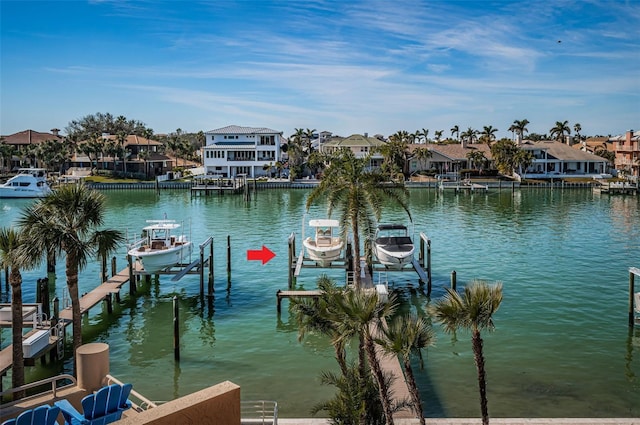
341	66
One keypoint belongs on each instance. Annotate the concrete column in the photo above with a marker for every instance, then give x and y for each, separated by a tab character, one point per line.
92	365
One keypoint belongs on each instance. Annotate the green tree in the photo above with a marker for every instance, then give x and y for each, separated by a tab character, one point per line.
520	127
422	154
54	154
438	134
362	313
68	221
577	128
488	134
558	131
397	154
148	134
406	335
472	310
7	152
522	160
10	241
504	152
358	193
477	158
470	135
455	130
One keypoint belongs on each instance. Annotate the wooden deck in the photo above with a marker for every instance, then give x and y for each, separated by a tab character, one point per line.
99	294
87	301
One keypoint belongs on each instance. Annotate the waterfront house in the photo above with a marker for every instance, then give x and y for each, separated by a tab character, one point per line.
627	148
22	145
448	158
559	160
360	145
233	150
141	157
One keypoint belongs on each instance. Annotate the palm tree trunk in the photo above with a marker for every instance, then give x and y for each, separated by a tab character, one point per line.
17	371
482	383
72	285
362	371
382	383
356	253
413	389
341	357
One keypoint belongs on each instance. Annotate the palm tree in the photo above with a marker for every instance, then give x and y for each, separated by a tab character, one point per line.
121	138
559	130
148	134
476	157
68	221
473	309
9	247
469	135
488	134
577	128
422	154
520	127
405	335
455	130
361	313
350	186
438	134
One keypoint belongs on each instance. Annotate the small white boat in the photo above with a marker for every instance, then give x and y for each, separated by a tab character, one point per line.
393	246
326	246
28	183
159	248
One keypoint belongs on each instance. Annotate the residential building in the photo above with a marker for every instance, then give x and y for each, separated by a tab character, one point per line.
627	148
559	160
360	145
22	144
233	150
447	158
142	156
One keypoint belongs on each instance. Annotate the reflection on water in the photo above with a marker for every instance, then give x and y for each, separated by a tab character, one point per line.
561	346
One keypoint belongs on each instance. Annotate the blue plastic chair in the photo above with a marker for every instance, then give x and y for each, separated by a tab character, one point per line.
41	415
101	408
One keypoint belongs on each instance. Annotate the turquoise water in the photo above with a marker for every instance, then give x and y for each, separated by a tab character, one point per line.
561	347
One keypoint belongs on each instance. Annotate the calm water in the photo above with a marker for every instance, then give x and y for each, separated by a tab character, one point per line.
562	347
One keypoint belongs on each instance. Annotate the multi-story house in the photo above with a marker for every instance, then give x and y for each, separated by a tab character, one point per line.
21	148
627	148
234	150
553	159
360	145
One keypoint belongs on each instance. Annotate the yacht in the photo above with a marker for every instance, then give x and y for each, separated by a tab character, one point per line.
28	183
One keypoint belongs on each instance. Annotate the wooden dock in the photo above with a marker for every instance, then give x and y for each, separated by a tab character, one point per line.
617	188
463	186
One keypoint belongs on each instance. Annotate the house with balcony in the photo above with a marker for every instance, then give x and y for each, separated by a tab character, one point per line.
20	148
360	145
627	149
553	159
234	150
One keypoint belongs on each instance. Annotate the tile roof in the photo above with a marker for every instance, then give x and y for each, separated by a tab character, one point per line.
560	150
354	140
132	139
236	129
455	151
26	137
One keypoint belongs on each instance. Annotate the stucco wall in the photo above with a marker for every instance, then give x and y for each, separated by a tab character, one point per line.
219	404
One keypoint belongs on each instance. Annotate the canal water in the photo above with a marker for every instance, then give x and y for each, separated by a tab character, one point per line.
561	347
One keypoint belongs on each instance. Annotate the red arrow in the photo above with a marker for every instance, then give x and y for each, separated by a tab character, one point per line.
264	254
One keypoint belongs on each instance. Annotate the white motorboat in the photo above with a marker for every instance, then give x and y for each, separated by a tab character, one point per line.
160	248
326	246
28	183
393	246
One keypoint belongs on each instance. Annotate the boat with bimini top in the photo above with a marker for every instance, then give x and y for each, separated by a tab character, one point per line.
393	246
159	247
326	245
28	183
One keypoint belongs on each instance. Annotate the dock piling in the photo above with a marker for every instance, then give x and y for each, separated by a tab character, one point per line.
176	330
633	271
453	280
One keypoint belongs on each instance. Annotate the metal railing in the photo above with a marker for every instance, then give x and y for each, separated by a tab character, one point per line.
259	412
144	403
36	384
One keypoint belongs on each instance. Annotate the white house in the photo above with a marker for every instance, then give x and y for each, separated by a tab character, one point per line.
234	150
555	159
